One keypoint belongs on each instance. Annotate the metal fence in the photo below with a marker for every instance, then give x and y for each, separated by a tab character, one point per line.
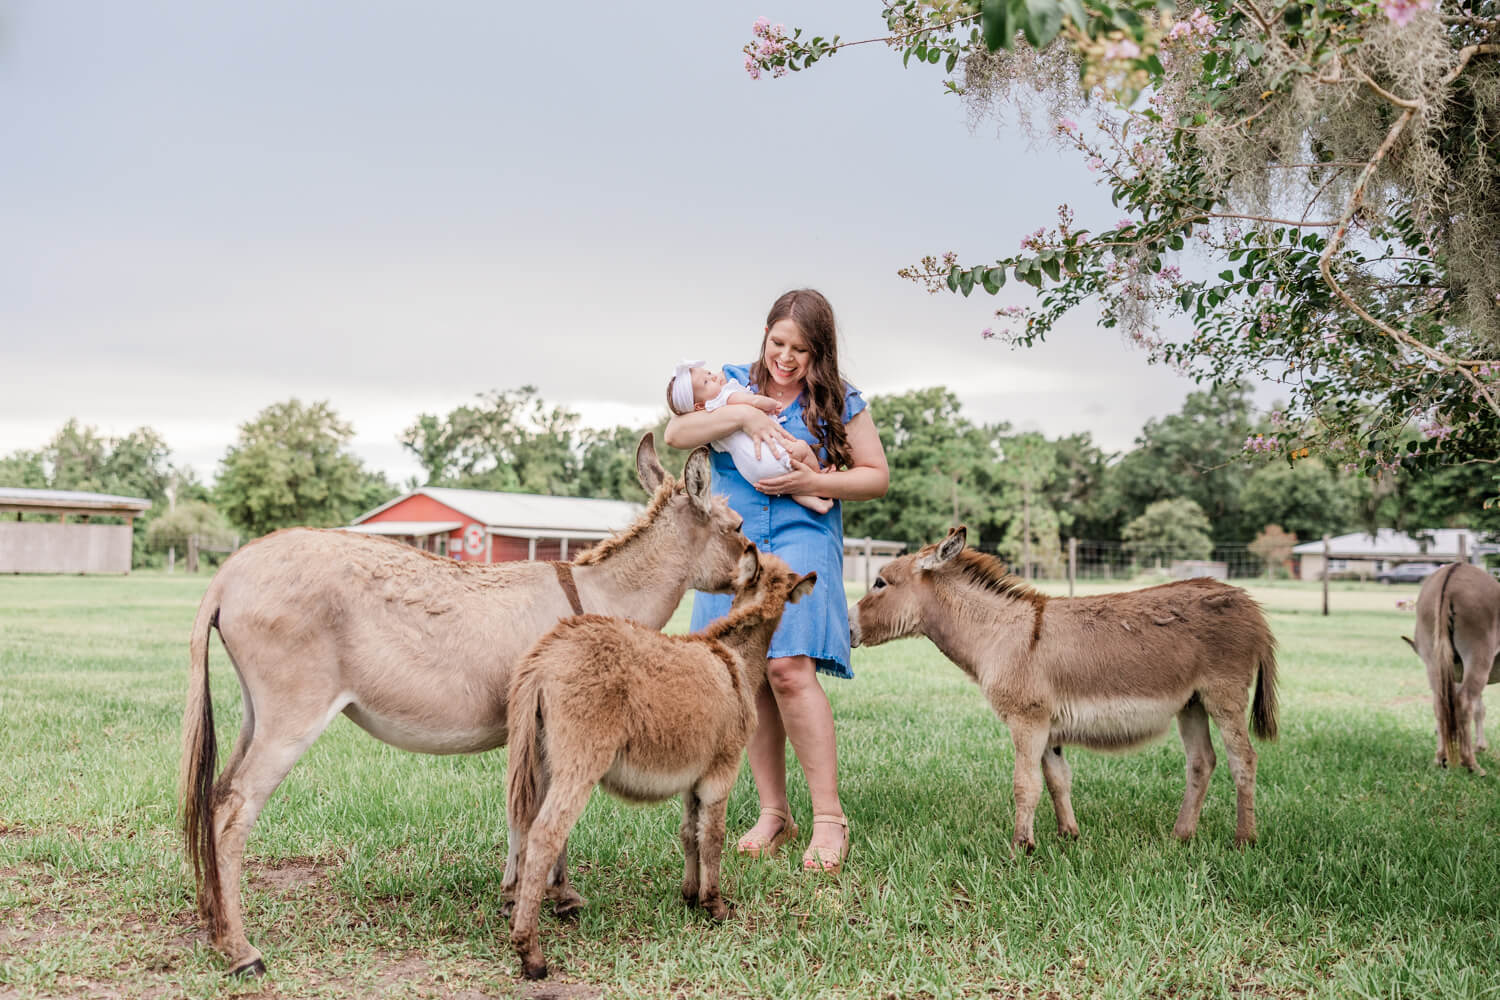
1104	560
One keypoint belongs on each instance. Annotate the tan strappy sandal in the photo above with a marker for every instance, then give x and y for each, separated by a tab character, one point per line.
768	848
819	858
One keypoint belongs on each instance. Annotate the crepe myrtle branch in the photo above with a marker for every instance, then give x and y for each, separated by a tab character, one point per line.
1356	197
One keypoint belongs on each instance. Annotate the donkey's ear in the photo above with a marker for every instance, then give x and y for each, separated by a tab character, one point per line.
647	466
749	567
802	588
698	476
947	549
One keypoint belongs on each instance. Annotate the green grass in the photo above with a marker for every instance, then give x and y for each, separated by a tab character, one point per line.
376	872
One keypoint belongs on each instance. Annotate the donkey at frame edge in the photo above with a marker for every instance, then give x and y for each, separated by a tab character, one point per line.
415	649
1106	672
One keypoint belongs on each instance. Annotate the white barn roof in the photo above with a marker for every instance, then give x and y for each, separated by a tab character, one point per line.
1390	543
530	514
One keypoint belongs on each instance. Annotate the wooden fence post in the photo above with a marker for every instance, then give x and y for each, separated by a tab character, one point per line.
1072	563
1326	561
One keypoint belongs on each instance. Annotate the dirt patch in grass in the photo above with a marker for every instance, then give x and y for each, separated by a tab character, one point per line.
289	875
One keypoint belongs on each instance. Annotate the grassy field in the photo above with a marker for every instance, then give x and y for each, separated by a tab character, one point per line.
374	872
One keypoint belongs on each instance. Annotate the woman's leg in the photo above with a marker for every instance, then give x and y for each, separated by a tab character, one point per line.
807	719
767	752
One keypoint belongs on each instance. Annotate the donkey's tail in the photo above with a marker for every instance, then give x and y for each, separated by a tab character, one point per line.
523	786
1263	709
1447	655
200	754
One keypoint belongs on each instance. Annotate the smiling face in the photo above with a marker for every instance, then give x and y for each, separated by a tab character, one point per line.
786	355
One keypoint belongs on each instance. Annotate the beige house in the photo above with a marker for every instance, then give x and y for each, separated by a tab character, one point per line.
1360	555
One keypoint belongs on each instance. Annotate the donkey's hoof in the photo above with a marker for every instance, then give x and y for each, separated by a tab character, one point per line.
719	908
253	969
1024	844
534	970
507	907
569	909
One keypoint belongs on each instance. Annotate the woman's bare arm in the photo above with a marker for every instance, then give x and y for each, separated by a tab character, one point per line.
689	430
867	477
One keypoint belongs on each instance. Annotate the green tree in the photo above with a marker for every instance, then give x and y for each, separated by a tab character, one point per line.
23	469
193	517
1335	161
1082	489
938	462
509	441
1195	454
1028	525
1305	498
291	466
1170	529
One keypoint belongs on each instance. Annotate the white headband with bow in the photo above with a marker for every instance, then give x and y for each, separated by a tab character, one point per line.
682	385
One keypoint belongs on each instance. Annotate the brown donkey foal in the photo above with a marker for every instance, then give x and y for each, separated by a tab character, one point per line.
1458	639
1105	672
415	649
648	716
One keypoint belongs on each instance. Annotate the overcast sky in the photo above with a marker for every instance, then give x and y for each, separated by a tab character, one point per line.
208	208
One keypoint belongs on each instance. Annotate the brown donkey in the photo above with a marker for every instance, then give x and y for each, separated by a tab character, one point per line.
414	648
1105	672
1458	639
648	716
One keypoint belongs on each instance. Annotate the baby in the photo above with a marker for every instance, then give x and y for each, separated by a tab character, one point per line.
694	387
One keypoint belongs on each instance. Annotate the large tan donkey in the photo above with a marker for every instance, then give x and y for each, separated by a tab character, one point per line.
648	716
415	649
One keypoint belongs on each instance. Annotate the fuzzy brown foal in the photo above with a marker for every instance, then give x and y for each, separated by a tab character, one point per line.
648	716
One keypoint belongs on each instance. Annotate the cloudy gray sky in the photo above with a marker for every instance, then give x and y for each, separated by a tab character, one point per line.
394	206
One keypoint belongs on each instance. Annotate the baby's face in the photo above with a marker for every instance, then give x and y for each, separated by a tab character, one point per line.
706	384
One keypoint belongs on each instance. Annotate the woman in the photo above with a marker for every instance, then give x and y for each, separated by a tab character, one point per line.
798	368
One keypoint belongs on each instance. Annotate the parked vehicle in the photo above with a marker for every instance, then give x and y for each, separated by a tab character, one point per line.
1412	572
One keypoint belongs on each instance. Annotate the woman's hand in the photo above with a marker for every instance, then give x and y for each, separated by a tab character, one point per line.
803	480
763	430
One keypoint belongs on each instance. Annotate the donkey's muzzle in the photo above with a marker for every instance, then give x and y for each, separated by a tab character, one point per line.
854	631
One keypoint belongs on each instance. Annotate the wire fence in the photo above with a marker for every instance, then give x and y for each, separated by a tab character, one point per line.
1106	560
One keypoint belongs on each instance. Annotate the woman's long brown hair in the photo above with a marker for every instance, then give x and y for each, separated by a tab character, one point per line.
824	405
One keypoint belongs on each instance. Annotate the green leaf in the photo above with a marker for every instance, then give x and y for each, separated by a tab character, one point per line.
966	282
1043	21
987	278
996	22
953	280
1050	265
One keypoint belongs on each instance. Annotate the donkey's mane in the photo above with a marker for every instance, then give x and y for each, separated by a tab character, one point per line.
614	543
731	622
989	574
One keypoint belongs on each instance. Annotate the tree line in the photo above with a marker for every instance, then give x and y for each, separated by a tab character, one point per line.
1199	474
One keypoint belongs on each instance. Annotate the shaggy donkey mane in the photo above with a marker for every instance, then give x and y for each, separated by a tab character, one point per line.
615	543
990	574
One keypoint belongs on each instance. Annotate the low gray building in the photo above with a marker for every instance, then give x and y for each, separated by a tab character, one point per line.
69	540
1361	555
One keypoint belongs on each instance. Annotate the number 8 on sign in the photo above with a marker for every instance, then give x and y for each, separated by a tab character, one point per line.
474	539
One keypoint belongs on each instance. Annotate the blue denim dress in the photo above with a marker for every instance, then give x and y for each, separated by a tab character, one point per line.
818	625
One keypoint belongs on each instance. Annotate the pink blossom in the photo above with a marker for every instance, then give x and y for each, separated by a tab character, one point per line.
1401	12
1126	49
987	333
1067	125
1125	223
1096	164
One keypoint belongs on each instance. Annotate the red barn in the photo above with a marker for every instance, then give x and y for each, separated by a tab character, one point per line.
482	526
